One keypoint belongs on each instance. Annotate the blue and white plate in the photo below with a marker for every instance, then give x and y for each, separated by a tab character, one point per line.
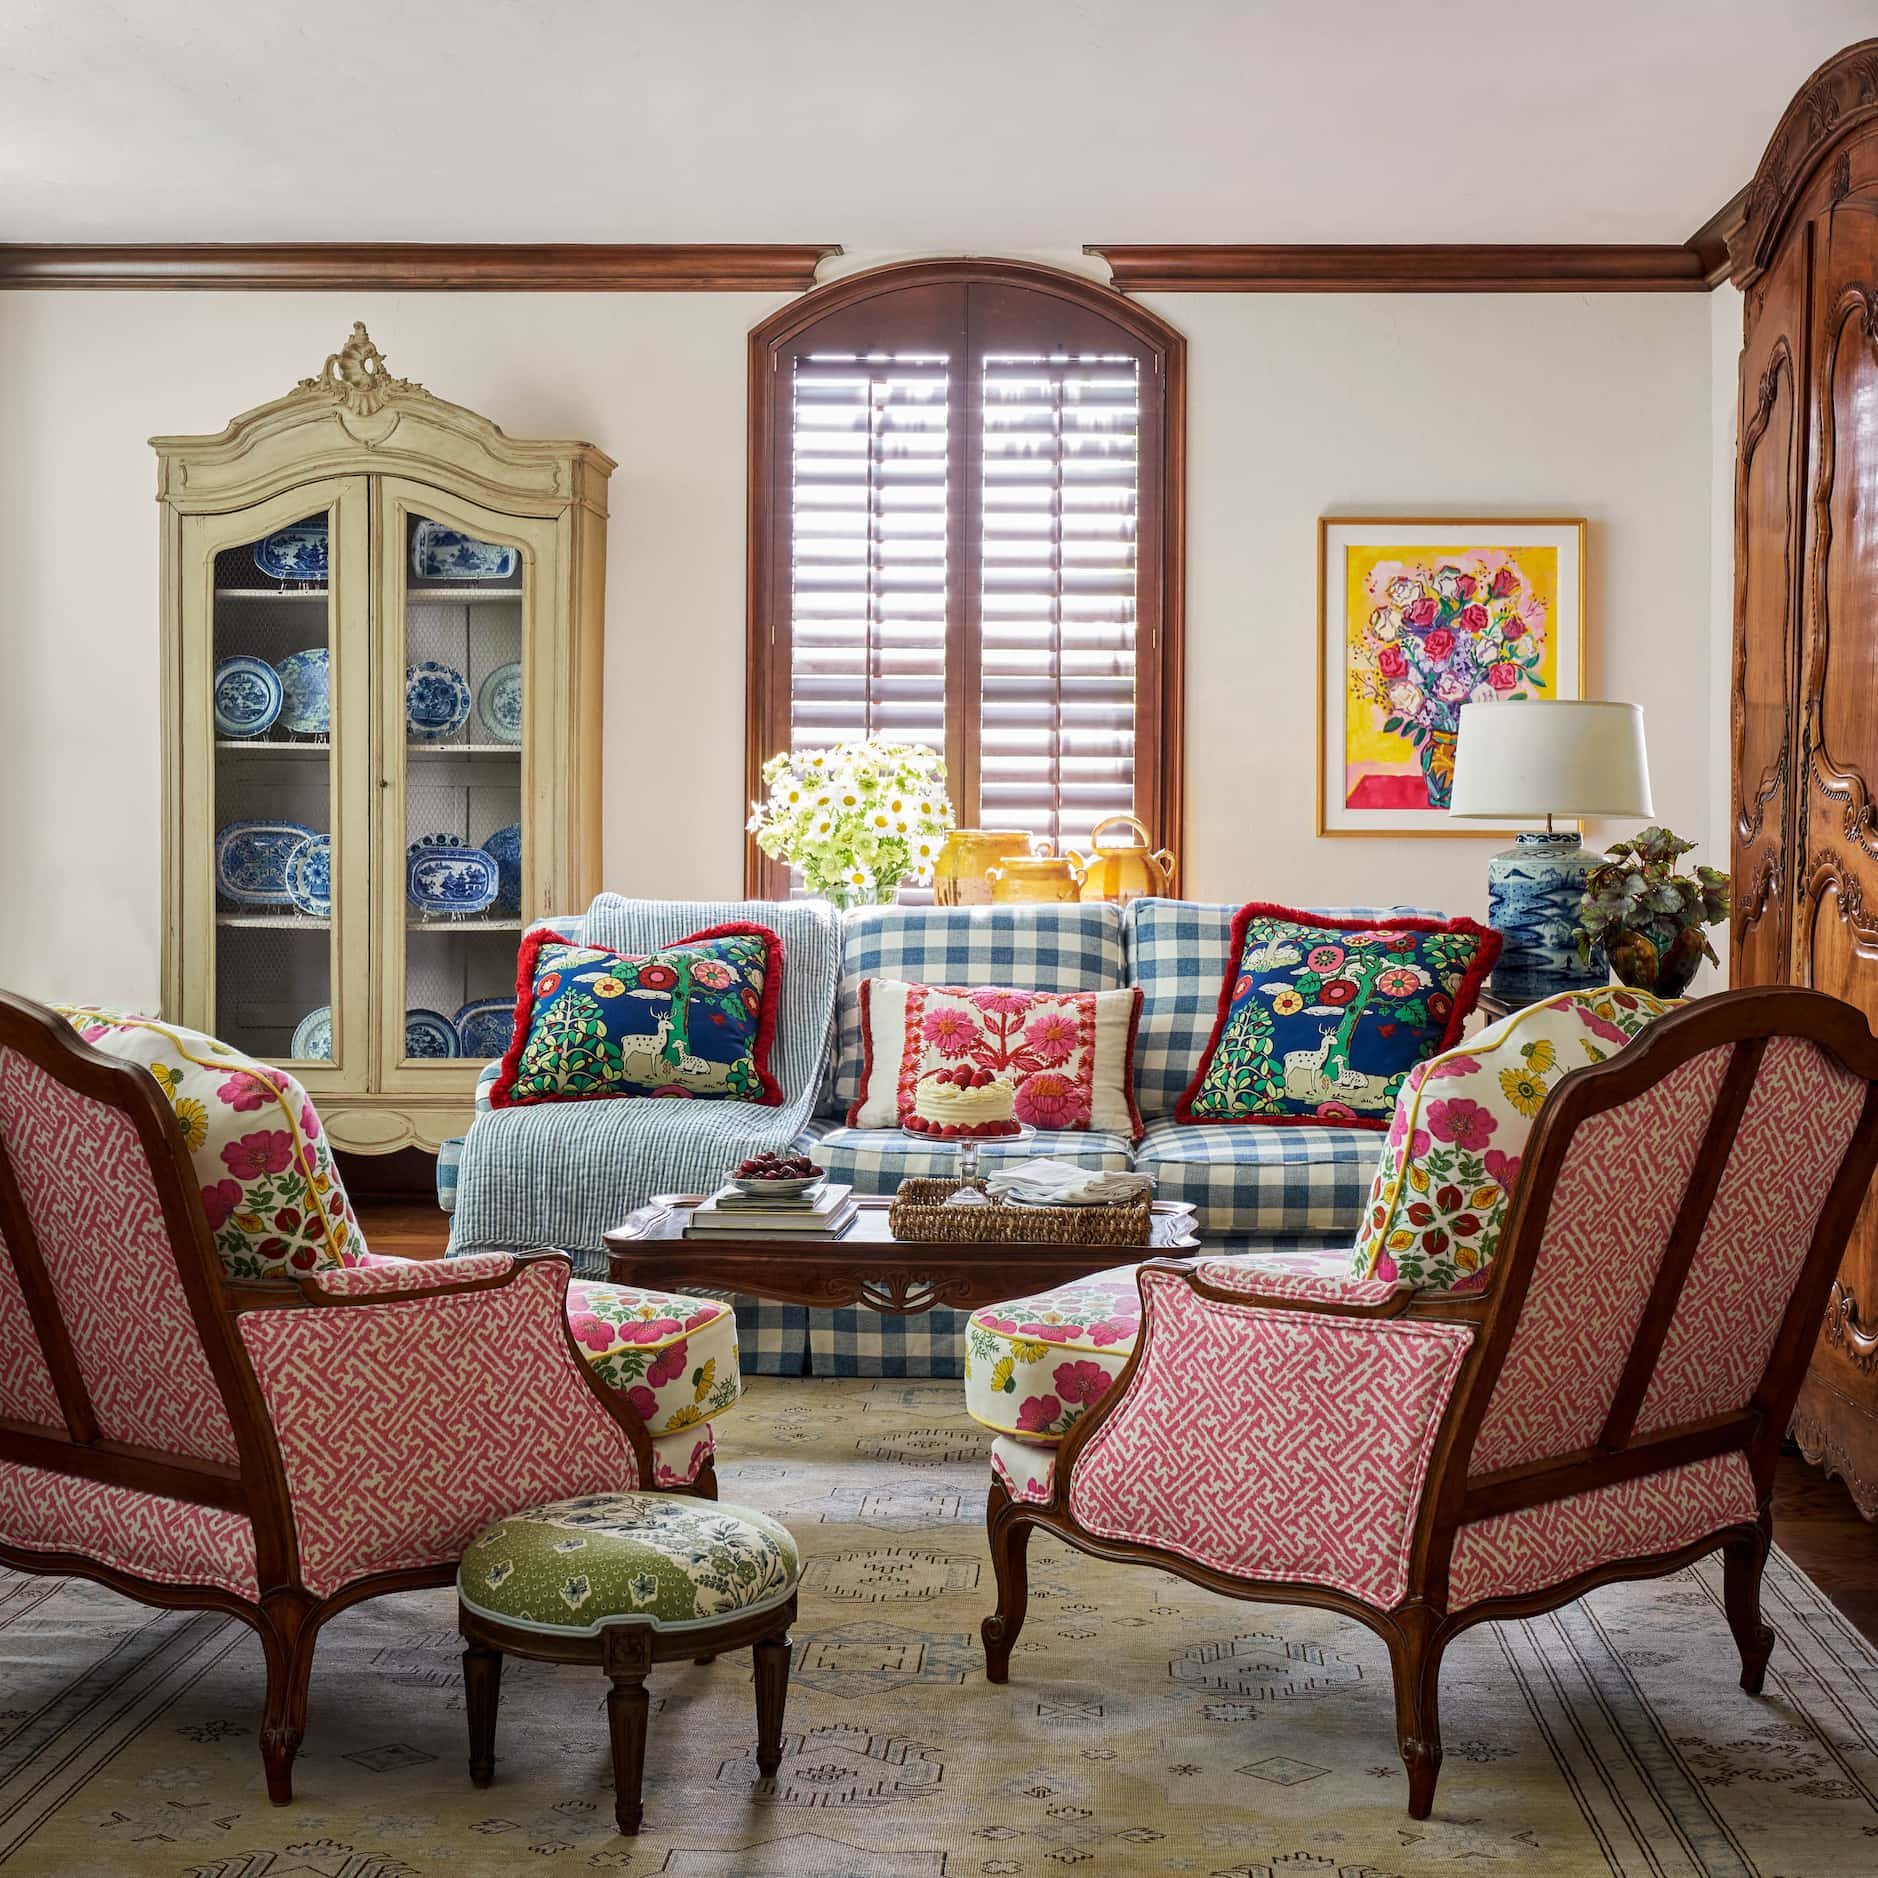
436	701
296	552
310	876
428	1033
440	553
485	1025
247	696
251	861
313	1037
499	703
448	878
306	692
505	846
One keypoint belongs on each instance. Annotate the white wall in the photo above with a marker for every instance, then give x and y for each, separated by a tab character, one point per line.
1597	405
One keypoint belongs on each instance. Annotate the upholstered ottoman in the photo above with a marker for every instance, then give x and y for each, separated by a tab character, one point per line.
623	1581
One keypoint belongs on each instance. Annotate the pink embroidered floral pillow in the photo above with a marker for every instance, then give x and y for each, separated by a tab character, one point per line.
275	1203
1069	1055
1448	1165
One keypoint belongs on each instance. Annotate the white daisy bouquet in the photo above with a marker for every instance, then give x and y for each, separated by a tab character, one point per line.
857	819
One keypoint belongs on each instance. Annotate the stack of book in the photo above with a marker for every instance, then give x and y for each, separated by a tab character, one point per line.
825	1211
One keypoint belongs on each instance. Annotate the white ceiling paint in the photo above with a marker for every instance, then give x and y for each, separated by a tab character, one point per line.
956	125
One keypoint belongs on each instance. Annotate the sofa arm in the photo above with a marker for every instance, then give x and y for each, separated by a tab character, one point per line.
1288	1444
409	1413
1278	1290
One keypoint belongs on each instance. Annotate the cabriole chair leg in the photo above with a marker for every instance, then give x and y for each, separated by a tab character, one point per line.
1008	1528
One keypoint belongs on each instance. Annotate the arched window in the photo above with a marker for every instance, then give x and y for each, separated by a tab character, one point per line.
966	530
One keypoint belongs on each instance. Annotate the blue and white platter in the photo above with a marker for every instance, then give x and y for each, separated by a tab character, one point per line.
306	692
436	701
310	876
440	553
428	1033
296	552
505	848
251	861
313	1037
499	703
247	696
442	877
485	1025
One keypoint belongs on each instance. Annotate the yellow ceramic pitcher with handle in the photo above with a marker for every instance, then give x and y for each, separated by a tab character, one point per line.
1123	871
1035	879
961	873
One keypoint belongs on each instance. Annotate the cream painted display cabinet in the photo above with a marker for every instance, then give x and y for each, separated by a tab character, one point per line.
382	639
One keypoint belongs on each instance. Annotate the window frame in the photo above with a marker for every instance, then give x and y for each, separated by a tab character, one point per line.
1160	600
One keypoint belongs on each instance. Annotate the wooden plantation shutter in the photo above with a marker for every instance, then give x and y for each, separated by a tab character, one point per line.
965	491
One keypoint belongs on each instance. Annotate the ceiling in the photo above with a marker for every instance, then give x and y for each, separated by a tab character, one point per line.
980	126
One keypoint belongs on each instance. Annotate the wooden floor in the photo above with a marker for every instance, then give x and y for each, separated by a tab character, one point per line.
1814	1520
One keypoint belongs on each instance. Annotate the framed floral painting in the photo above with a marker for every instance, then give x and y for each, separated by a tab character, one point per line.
1417	618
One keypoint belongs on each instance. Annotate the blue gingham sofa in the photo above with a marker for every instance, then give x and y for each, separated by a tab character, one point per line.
563	1174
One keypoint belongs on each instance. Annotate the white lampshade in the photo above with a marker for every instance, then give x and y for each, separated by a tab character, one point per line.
1520	761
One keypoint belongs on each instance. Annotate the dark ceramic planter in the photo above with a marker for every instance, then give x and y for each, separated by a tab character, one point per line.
1636	961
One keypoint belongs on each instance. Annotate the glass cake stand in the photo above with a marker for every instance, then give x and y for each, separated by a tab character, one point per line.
969	1145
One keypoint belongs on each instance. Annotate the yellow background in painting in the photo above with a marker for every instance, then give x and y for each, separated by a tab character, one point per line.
1364	740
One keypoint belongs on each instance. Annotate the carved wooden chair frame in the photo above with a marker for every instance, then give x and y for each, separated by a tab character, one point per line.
286	1615
1418	1630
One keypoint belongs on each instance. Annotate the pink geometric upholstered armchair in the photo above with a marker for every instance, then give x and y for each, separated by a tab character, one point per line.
274	1449
1611	1407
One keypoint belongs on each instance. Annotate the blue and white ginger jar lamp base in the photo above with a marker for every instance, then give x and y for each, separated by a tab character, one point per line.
1533	893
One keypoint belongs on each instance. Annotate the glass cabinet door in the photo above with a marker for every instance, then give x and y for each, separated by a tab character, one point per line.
460	585
274	672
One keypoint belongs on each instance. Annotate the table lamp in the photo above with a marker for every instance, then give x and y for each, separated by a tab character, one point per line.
1518	761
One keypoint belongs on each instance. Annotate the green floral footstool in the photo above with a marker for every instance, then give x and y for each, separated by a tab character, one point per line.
626	1580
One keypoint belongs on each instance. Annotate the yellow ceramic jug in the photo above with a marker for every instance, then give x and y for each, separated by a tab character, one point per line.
1041	879
969	854
1123	872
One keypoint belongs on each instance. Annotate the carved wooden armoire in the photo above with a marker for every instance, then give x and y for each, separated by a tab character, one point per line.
1805	679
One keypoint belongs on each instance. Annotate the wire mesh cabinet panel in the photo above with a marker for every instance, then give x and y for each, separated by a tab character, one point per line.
382	641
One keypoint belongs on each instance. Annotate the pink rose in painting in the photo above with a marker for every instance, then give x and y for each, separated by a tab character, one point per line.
1038	1414
1505	581
1503	677
1514	630
1422	613
1462	1121
269	1151
1001	1003
1391	663
1049	1099
668	1365
1440	643
1081	1382
1473	618
219	1201
1052	1036
1465	586
949	1030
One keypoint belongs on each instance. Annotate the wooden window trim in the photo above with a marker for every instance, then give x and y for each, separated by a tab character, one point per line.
1161	594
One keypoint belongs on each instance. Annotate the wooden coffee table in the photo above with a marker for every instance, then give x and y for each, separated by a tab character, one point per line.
867	1265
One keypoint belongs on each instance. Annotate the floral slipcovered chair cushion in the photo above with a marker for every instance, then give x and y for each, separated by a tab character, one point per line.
1438	1201
276	1205
673	1358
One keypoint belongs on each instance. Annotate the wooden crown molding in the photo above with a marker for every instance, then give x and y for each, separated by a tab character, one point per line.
1418	268
1717	235
562	267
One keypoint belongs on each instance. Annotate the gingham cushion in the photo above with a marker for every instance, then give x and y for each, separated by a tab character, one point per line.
1033	948
1178	952
1261	1181
855	1341
876	1160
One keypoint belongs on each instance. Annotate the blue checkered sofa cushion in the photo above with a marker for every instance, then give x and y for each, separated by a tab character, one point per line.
1260	1182
876	1160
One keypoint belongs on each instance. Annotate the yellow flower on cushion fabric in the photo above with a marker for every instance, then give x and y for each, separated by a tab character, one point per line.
195	1122
1029	1349
702	1377
609	988
1004	1375
1287	1002
681	1418
1539	1055
1523	1089
169	1080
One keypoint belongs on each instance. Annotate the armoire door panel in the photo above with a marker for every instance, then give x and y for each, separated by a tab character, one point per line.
1769	522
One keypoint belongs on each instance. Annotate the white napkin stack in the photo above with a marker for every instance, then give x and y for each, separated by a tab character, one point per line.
1057	1183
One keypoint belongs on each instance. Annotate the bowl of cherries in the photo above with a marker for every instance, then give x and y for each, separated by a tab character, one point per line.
776	1176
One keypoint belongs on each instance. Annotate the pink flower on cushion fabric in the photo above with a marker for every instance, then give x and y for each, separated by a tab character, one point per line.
645	1329
1049	1099
1113	1330
1601	1026
1050	1333
268	1151
1452	1066
1052	1036
1421	1143
590	1331
1385	1267
1003	1325
309	1122
247	1090
219	1201
1081	1382
668	1365
643	1402
713	974
949	1030
1501	1168
1039	1414
998	1002
1462	1121
704	1314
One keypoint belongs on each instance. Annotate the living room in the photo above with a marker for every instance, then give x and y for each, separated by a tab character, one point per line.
801	620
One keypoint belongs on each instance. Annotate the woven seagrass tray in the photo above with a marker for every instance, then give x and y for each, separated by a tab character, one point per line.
919	1211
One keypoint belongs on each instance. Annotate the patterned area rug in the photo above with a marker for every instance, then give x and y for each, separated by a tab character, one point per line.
1148	1727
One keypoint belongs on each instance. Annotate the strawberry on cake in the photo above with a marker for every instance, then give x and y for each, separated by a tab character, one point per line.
963	1102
